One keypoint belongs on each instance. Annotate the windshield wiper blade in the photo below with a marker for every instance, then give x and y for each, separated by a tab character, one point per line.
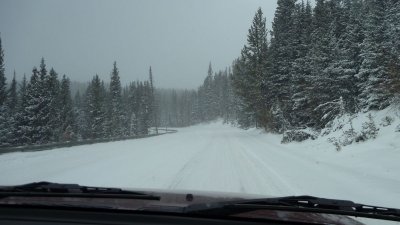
297	204
48	189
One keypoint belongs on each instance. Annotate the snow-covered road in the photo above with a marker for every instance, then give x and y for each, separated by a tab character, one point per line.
217	157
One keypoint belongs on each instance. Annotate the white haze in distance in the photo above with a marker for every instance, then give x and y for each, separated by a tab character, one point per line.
81	38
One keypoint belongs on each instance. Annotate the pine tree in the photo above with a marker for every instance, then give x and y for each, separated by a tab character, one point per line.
194	119
283	42
209	97
173	116
4	112
255	55
133	111
153	103
22	94
12	99
392	43
3	86
22	121
142	108
4	126
346	59
246	114
31	124
301	67
250	76
126	110
373	75
320	57
43	70
80	118
43	103
115	113
37	113
53	94
95	111
147	114
231	114
66	111
12	115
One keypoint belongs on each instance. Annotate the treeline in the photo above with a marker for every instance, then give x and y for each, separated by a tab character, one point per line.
212	100
317	63
341	56
41	110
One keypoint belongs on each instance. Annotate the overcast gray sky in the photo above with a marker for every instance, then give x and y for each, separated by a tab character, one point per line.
81	38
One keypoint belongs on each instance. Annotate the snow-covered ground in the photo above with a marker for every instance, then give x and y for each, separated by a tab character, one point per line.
218	157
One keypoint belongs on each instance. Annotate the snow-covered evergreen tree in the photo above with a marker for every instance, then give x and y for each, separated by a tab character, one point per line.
5	124
392	43
66	111
95	111
373	75
3	86
132	109
45	101
81	121
12	115
153	103
12	95
21	119
30	123
250	71
143	108
246	114
4	112
301	66
283	42
209	103
39	106
320	57
347	61
116	115
52	86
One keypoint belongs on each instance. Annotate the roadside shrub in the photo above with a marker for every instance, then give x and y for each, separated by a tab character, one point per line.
387	121
349	136
369	129
297	136
360	138
336	143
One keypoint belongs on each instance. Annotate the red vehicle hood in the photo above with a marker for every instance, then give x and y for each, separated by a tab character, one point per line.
173	199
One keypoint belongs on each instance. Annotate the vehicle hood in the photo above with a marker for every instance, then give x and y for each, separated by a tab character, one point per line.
175	200
179	198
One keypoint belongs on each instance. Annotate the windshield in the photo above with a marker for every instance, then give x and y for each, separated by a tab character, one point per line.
269	98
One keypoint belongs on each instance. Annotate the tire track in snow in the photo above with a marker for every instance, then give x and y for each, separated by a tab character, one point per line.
296	172
189	166
217	166
229	163
185	171
264	177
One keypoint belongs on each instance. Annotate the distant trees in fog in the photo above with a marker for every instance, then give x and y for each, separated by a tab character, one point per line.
212	100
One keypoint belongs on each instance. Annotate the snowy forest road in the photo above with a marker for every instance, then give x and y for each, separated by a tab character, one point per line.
213	157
